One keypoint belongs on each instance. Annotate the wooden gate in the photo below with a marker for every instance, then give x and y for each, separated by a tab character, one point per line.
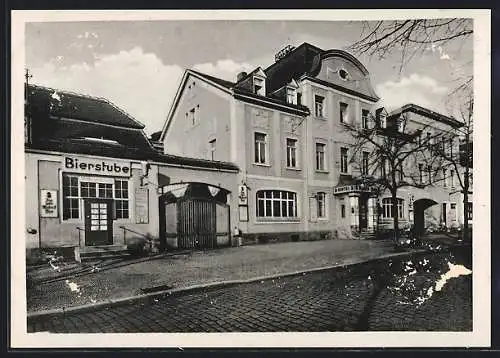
197	219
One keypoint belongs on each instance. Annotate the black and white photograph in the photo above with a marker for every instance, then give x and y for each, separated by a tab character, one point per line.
288	177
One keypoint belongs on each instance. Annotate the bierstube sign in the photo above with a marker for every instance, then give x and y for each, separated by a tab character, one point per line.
96	166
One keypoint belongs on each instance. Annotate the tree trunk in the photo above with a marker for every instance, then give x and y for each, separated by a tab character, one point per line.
395	214
465	232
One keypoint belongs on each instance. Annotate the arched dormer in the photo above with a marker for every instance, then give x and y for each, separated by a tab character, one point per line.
343	70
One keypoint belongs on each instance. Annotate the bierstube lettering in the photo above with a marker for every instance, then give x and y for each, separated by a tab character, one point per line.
82	165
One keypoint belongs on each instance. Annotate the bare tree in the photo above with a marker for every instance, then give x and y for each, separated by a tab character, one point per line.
409	37
460	160
386	151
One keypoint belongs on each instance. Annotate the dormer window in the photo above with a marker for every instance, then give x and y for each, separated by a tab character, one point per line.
383	121
291	95
259	86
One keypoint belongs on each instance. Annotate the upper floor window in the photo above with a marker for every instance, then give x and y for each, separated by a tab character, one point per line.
401	125
276	204
364	164
212	146
320	156
452	178
319	103
364	118
291	153
387	211
421	173
299	98
343	160
343	112
429	173
259	86
291	95
445	180
260	148
321	205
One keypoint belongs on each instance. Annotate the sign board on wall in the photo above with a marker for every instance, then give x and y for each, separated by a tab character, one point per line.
96	166
141	206
48	203
243	213
242	195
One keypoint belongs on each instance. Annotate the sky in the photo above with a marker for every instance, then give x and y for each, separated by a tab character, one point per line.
138	65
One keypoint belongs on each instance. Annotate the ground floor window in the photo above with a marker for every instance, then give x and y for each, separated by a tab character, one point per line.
276	203
75	189
321	205
469	211
387	208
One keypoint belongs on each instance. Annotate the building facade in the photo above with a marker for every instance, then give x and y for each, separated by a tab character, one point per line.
93	180
284	127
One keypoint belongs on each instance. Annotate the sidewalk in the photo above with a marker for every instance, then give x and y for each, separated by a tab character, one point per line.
125	279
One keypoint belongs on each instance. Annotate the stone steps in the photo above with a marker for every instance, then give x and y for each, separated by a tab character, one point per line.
89	253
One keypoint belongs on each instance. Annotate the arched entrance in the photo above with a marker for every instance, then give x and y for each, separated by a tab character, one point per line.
419	207
194	216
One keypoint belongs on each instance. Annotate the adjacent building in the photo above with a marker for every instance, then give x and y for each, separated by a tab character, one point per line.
284	127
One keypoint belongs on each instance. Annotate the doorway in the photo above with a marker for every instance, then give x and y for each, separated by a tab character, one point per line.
363	212
98	222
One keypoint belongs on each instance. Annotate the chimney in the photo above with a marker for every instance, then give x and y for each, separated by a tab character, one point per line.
240	76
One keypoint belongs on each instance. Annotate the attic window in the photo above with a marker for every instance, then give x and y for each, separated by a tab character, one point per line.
343	74
259	86
291	95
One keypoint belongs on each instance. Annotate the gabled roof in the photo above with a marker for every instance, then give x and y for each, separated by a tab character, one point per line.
410	107
78	106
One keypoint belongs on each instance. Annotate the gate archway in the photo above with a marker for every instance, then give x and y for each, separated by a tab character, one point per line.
419	207
194	216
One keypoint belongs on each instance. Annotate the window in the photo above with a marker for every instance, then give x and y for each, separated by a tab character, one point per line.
445	180
70	197
469	211
387	208
276	204
383	166
452	178
212	145
451	147
342	208
429	173
343	112
319	102
401	125
364	118
299	98
343	160
291	153
260	148
343	74
290	95
383	121
74	191
320	156
121	199
321	204
421	173
453	209
364	165
258	86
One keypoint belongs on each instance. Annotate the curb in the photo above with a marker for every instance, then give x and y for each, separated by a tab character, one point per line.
217	284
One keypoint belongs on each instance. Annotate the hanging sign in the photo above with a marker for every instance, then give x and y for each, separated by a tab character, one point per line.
242	195
48	203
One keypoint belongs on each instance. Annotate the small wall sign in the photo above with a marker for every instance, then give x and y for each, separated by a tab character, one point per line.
141	206
48	203
242	195
243	213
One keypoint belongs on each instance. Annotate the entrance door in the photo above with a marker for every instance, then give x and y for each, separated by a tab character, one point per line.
98	222
363	212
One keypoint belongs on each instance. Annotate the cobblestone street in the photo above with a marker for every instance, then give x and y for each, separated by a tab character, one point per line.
331	300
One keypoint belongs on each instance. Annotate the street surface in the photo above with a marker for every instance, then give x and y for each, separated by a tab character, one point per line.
407	298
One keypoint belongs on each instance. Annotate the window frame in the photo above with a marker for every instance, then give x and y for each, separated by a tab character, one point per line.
387	208
364	119
344	159
270	199
364	162
322	157
321	205
321	112
343	118
289	149
257	146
